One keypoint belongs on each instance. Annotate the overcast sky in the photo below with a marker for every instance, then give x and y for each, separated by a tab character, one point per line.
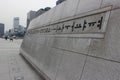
19	8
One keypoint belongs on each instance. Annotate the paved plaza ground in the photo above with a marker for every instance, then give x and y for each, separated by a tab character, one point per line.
12	65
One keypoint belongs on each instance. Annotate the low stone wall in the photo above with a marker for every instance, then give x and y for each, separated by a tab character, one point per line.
76	40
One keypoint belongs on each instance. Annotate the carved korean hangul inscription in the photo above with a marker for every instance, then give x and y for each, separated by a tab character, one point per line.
88	24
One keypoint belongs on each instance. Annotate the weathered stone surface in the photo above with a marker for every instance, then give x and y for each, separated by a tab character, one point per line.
113	3
47	16
58	12
52	62
70	8
81	42
109	46
72	44
71	66
50	14
88	5
98	69
47	58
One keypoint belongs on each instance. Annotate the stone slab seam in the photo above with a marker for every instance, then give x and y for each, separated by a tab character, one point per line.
36	69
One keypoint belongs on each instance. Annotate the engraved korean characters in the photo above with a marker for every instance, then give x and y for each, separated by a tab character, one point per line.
87	24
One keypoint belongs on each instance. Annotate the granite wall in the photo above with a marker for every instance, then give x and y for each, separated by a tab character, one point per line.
76	40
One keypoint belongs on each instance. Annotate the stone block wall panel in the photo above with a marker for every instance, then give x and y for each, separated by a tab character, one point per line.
76	40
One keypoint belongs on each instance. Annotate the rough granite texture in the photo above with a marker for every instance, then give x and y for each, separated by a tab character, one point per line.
70	55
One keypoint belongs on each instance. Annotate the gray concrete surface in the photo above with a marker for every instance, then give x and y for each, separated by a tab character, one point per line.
70	8
12	65
88	5
71	48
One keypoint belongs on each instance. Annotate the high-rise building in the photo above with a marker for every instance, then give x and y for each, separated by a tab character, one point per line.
16	24
41	11
21	28
33	14
2	27
30	16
